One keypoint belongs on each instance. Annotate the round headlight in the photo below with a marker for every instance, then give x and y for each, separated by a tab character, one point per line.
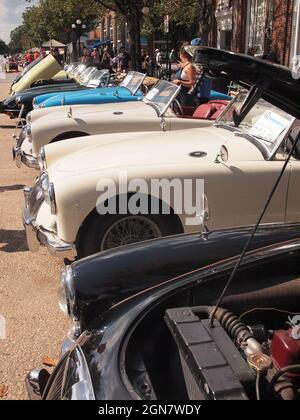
67	299
44	182
42	159
49	192
28	118
224	153
18	99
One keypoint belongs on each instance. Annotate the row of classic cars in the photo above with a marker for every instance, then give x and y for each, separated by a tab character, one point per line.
142	312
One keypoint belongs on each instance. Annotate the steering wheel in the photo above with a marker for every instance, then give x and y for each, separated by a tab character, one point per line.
177	108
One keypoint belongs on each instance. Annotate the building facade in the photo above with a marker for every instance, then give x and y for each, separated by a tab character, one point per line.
258	27
264	28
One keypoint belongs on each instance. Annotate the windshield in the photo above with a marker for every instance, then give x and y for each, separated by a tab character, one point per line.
87	73
133	81
98	78
161	96
264	122
79	70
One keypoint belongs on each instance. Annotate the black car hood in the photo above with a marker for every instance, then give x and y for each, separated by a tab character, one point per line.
281	87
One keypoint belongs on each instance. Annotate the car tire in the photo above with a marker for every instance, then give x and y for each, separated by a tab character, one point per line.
101	233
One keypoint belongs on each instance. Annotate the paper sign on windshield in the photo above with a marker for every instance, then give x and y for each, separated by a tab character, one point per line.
127	80
93	83
152	93
269	127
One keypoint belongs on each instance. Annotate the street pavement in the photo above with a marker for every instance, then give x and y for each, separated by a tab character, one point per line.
35	327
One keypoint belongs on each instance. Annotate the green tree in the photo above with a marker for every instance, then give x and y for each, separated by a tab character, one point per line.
131	10
53	18
4	49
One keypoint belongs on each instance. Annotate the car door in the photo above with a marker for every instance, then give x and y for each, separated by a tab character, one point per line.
237	192
293	201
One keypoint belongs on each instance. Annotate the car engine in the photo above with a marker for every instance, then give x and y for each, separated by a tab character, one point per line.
230	360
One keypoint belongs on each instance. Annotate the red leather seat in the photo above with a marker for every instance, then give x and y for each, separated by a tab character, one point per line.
219	108
204	111
216	114
220	102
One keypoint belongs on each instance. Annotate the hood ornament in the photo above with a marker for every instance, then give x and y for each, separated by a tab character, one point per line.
163	124
70	113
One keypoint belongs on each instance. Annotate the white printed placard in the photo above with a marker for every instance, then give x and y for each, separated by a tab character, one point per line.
269	127
152	93
127	80
93	83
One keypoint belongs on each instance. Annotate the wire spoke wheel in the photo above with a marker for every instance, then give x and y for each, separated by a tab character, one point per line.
130	230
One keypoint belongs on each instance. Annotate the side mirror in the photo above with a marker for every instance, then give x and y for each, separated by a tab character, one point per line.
294	136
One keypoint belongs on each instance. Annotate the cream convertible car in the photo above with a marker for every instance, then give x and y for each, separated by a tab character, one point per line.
239	159
153	113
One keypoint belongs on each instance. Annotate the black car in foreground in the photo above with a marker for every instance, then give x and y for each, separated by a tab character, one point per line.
141	314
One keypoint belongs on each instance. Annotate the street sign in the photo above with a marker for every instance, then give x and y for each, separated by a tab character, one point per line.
166	24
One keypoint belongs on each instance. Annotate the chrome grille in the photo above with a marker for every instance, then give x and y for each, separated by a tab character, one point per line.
35	199
57	380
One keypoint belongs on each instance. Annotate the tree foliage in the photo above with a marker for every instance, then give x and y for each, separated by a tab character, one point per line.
3	47
53	19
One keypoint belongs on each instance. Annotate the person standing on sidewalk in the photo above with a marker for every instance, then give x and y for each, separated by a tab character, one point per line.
186	78
124	60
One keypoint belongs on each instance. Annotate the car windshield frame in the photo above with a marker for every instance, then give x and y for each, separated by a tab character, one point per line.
95	82
133	81
152	97
261	144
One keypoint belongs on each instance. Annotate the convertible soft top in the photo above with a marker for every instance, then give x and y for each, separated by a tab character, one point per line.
281	86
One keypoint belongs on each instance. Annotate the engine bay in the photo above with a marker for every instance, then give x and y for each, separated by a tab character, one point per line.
252	351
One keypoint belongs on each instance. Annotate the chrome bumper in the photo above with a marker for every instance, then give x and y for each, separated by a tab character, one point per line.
20	157
36	382
37	236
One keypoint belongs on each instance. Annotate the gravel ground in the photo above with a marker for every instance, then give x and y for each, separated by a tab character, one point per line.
28	282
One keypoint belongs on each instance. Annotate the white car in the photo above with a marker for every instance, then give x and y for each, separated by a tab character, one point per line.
239	159
153	113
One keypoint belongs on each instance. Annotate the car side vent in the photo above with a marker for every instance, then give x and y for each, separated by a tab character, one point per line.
198	154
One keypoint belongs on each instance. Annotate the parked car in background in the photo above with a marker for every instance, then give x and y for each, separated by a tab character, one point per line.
238	160
21	103
120	95
154	113
134	309
44	69
11	64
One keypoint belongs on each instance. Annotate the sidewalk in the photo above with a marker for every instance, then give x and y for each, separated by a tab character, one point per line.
28	282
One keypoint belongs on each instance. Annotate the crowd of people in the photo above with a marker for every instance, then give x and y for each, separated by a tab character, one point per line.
195	89
106	59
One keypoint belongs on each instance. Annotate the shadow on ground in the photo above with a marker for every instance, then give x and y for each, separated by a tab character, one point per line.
13	241
11	188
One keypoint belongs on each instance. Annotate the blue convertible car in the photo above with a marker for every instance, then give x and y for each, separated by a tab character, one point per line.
129	90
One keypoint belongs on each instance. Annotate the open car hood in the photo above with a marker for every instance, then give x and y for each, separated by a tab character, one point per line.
43	70
280	85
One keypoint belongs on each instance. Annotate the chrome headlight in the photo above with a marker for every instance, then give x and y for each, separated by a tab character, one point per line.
28	118
29	133
67	299
18	100
42	159
49	192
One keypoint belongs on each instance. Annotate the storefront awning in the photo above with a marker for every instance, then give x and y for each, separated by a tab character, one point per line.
97	44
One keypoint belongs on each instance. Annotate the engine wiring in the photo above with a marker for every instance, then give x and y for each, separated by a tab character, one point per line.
280	373
257	386
251	311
